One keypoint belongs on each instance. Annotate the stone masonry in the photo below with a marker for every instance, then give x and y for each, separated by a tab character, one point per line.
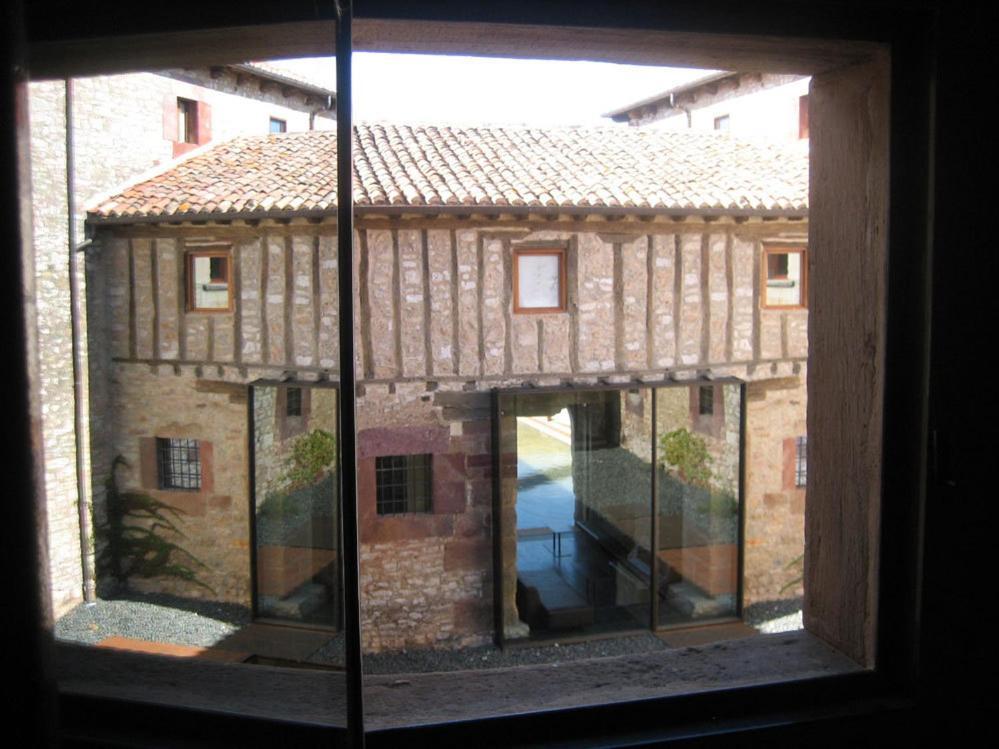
436	332
119	133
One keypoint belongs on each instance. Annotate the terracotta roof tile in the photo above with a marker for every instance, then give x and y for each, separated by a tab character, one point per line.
622	168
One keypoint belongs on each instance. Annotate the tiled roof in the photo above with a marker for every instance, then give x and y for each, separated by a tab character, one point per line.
618	169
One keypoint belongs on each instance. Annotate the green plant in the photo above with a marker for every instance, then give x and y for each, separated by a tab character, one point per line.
131	538
687	454
312	455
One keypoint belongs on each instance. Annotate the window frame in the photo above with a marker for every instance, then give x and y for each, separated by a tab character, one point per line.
769	250
795	701
283	126
189	257
722	123
529	251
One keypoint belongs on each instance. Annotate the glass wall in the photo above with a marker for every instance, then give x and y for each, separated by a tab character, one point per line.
698	488
296	517
585	478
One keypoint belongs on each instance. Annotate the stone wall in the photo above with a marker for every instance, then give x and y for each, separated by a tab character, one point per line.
775	507
119	132
436	333
150	402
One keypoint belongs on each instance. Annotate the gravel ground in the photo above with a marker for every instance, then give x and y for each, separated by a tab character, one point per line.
202	623
152	617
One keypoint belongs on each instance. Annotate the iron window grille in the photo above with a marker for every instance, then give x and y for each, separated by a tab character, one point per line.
293	402
403	483
706	400
179	463
801	461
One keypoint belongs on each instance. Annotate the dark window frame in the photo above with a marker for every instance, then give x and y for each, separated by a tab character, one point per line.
282	126
561	253
723	122
398	490
732	705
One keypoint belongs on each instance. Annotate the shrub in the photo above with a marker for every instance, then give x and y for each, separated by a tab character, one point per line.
687	454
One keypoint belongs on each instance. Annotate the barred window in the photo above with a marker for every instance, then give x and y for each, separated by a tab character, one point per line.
179	463
705	400
801	461
293	402
402	483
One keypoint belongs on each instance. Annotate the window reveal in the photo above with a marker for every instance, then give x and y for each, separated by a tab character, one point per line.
403	484
209	281
187	121
539	280
784	277
178	463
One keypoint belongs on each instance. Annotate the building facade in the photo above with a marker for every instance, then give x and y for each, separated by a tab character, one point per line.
535	337
122	126
767	105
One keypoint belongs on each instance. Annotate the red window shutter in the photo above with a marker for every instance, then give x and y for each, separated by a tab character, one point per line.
170	118
207	455
204	123
148	468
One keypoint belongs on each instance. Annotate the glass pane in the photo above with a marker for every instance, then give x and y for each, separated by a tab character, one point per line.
581	496
539	281
210	283
295	505
784	279
698	470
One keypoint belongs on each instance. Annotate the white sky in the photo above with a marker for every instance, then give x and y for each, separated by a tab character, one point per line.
465	90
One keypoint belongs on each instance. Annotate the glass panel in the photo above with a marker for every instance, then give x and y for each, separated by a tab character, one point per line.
784	279
539	280
295	506
579	551
210	283
698	469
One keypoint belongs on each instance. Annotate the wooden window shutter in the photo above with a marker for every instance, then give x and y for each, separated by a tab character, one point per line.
204	123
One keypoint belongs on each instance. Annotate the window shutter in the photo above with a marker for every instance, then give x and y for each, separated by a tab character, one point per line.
204	123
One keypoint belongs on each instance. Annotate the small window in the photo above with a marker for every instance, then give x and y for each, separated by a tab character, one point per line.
209	281
706	400
783	277
293	402
801	461
803	116
278	126
187	121
402	484
539	280
178	463
721	123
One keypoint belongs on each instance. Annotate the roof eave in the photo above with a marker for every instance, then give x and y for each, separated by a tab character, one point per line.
97	221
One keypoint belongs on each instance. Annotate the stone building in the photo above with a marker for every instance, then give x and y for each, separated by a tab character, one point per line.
122	126
581	375
768	105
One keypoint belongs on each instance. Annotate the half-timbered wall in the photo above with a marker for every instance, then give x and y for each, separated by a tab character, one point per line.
436	303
